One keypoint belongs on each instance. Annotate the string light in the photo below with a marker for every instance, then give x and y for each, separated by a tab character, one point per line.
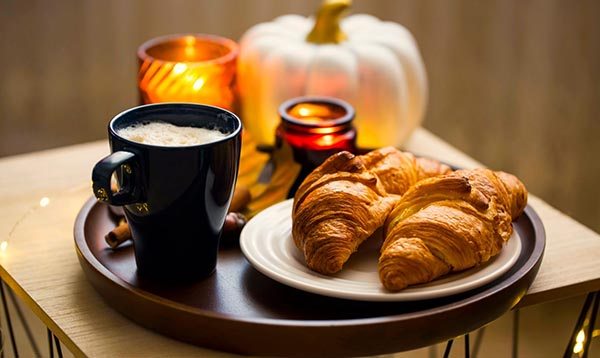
44	202
579	342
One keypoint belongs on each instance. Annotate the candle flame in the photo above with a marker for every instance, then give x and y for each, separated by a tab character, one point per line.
190	51
190	47
3	245
304	112
190	40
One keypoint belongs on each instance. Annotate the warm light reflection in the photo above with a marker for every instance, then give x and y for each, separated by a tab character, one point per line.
198	84
3	246
45	201
326	140
179	68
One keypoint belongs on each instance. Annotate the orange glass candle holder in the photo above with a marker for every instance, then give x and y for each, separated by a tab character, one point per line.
188	68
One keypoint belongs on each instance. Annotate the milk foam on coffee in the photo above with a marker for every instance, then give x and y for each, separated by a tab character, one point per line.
169	135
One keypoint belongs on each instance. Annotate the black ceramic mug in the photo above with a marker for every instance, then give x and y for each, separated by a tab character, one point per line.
175	198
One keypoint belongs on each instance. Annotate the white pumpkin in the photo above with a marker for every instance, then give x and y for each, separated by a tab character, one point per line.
374	65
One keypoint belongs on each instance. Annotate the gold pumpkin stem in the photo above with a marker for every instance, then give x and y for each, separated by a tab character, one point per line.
327	24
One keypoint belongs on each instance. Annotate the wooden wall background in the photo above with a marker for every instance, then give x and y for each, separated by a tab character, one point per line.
516	84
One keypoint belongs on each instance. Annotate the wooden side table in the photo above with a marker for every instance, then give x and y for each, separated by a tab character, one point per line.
41	266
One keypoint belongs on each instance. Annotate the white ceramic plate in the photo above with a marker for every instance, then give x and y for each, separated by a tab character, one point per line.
267	243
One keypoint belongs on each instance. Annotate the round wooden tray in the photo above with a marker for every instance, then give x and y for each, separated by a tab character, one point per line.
242	311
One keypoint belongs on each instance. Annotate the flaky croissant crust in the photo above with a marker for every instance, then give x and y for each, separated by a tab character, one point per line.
398	170
448	223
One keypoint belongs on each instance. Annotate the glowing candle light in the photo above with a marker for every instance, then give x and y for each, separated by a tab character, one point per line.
188	68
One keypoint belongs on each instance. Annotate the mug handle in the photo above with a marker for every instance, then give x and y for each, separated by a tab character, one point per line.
129	192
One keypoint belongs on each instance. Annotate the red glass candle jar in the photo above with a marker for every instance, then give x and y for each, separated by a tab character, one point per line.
315	128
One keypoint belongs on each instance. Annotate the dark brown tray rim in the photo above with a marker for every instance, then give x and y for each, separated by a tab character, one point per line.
536	255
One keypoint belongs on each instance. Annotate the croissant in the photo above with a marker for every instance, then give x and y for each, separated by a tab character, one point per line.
348	197
398	170
448	223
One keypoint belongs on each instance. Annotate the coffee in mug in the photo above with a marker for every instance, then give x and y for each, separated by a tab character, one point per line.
176	176
169	135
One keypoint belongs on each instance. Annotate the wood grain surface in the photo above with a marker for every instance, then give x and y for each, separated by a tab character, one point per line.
40	263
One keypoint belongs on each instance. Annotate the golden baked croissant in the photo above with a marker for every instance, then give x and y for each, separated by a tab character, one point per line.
399	170
346	199
448	223
335	209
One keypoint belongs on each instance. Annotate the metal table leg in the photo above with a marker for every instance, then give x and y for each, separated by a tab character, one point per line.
5	298
8	320
467	347
580	340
